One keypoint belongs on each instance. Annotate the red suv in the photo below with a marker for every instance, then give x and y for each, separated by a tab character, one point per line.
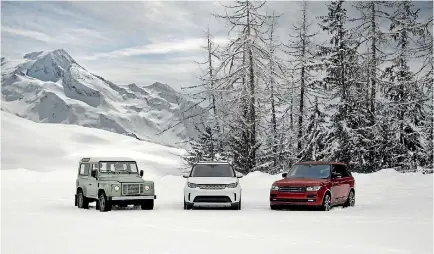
320	184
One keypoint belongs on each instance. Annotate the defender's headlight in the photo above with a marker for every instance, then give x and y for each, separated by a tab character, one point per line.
147	187
192	185
232	185
116	187
274	187
313	188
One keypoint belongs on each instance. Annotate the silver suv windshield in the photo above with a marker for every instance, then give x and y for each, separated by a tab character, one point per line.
212	170
118	167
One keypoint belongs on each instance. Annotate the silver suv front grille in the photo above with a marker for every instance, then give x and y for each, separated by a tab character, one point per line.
132	188
212	186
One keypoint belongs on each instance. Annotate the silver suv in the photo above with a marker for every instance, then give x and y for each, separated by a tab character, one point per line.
112	181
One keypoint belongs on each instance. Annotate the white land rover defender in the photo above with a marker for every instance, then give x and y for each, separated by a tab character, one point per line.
112	181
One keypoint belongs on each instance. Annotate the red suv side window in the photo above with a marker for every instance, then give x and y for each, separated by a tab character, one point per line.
342	170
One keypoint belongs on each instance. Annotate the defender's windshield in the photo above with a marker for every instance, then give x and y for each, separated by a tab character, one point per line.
212	170
118	167
309	171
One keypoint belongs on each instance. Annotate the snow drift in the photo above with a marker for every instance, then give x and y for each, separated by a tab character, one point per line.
52	87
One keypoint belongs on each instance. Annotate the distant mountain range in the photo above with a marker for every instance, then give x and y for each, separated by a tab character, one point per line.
52	87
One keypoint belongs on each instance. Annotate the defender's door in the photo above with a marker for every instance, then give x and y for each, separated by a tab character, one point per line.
83	178
93	182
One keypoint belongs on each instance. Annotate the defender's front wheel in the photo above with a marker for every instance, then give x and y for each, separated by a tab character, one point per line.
147	204
103	204
82	201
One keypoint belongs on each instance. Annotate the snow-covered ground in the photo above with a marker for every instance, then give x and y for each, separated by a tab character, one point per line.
393	212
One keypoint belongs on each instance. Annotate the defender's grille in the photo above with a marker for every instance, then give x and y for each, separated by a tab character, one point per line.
212	186
132	189
292	189
212	199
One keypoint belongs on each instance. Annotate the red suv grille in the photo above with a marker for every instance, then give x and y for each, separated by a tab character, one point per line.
292	189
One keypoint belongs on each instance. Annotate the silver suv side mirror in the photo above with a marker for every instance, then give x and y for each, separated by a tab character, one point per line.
185	175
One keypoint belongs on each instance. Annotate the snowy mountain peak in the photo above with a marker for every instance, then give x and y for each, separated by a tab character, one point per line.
48	66
51	87
161	87
33	55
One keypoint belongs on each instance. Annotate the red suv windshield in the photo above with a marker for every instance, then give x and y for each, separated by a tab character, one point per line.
309	171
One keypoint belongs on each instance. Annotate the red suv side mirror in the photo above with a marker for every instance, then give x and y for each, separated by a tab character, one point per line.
284	175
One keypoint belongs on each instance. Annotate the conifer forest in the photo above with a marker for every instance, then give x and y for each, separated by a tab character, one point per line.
354	98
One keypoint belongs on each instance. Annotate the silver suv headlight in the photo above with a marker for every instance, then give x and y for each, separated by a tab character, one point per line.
147	187
192	185
232	185
313	188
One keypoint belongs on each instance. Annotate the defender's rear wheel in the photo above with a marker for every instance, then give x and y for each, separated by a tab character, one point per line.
82	201
103	203
326	203
147	204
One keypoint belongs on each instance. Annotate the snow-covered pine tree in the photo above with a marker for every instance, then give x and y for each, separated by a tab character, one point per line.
314	136
368	29
424	52
302	52
210	144
342	80
273	153
205	147
402	110
242	65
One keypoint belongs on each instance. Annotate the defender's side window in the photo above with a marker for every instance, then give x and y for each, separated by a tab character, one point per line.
84	169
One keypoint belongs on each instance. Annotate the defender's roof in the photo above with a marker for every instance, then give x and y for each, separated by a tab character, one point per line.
320	163
98	159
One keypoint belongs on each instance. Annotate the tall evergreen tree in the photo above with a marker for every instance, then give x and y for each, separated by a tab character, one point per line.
243	63
402	111
302	51
342	77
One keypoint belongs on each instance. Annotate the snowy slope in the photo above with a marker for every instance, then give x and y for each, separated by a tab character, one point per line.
393	212
57	147
52	87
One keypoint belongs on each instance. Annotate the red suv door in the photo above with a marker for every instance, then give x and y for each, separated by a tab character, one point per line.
345	182
336	188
